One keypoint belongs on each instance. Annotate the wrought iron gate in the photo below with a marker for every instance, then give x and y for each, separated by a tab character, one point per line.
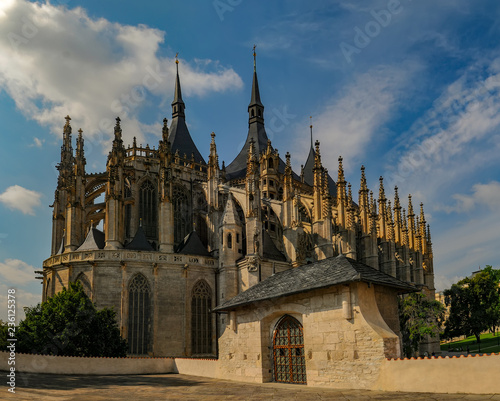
288	350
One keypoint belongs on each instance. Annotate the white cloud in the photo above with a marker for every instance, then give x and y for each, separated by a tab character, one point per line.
483	195
56	61
37	142
443	283
18	198
353	117
16	272
461	126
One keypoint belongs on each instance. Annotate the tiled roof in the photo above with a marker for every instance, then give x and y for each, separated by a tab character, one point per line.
322	274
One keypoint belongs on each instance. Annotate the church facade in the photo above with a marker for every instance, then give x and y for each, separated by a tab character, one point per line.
184	237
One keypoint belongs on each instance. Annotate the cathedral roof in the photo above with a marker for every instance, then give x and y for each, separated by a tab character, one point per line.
192	245
309	175
256	132
140	242
179	136
322	274
93	241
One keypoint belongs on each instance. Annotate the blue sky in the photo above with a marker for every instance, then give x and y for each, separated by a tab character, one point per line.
409	89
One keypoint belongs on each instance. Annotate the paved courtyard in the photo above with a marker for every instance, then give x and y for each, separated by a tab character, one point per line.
43	387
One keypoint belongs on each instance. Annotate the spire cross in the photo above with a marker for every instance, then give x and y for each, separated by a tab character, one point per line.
177	62
254	58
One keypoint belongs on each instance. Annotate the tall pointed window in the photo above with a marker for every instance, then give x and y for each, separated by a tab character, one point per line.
148	209
182	214
201	319
139	316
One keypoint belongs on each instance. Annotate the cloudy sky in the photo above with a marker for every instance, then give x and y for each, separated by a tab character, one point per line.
409	89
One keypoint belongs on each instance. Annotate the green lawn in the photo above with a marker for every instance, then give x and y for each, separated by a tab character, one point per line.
489	344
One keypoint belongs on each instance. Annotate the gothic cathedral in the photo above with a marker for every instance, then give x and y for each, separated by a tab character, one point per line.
183	235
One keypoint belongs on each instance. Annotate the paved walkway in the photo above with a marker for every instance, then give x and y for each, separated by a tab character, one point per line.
42	387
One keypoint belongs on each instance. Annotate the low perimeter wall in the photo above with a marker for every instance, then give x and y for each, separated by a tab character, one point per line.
476	374
72	365
471	374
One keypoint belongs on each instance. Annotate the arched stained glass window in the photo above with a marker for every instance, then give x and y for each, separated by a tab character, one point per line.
288	350
139	316
148	209
201	319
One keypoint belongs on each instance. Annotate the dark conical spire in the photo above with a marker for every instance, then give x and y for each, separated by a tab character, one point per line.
256	131
255	100
179	136
178	105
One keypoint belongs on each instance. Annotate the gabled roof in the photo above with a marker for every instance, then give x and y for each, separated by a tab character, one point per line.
140	242
322	274
192	245
93	241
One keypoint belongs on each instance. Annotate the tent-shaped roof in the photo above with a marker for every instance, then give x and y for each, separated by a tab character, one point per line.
140	242
322	274
192	245
93	241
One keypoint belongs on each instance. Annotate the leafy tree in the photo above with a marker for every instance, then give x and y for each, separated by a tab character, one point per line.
69	324
474	304
3	335
419	317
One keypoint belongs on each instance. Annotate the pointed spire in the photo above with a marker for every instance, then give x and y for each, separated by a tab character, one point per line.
405	239
255	99
341	178
164	130
311	127
118	129
230	216
390	222
213	159
80	154
411	224
398	228
350	207
317	158
288	164
364	203
178	105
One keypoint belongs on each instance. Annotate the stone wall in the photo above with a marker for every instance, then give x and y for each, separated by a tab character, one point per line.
471	374
88	366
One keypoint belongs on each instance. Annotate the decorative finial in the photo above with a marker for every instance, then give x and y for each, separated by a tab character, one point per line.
212	135
118	121
177	58
80	131
254	58
68	119
311	127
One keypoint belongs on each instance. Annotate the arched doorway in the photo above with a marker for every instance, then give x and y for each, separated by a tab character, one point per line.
288	351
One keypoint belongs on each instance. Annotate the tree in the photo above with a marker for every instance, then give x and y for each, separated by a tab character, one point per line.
69	324
474	304
419	317
3	335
